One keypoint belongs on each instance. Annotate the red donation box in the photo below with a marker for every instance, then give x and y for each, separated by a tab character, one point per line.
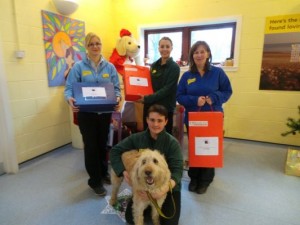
205	139
137	82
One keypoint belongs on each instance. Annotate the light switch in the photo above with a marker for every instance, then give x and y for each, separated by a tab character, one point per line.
20	54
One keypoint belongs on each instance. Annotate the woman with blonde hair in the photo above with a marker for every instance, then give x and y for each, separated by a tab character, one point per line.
94	126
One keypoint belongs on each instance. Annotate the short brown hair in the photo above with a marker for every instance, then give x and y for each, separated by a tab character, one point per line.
160	109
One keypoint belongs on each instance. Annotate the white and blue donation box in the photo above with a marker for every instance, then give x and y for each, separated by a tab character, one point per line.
94	97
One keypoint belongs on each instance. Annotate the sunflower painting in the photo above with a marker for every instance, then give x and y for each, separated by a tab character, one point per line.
64	45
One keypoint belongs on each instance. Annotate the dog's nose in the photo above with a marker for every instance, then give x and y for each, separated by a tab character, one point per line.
148	172
139	46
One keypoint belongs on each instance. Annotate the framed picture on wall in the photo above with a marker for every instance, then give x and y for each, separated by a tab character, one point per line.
64	45
280	68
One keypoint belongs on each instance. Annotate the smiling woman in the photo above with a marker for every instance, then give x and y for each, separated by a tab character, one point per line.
203	87
164	75
93	125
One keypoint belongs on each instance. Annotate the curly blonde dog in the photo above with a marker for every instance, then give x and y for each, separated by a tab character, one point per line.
148	171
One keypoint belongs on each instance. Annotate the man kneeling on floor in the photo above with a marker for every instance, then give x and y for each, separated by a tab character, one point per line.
155	138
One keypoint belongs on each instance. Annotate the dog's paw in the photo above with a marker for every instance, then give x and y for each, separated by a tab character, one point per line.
112	201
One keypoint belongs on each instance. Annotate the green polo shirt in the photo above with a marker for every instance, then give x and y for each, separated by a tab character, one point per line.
164	80
165	143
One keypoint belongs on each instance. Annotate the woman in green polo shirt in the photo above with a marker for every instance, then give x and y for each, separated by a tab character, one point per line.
164	77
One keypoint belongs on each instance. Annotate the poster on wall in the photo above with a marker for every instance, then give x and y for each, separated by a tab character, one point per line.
64	45
280	68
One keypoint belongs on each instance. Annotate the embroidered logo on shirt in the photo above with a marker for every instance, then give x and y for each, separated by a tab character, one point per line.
189	81
86	72
153	71
105	75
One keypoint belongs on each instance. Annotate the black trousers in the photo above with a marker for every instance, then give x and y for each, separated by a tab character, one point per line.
167	209
203	175
94	129
169	126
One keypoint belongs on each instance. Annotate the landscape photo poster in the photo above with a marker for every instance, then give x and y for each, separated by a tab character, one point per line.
280	68
64	45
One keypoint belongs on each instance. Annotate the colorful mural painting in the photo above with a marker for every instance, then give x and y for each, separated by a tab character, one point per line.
64	45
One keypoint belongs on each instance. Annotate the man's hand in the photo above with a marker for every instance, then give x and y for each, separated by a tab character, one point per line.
127	178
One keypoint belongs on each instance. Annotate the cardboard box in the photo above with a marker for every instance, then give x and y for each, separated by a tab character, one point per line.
292	164
206	139
137	82
94	97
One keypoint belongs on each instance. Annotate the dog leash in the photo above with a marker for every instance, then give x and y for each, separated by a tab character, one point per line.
154	202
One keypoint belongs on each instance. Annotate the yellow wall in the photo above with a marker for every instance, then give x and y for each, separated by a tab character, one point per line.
40	114
250	113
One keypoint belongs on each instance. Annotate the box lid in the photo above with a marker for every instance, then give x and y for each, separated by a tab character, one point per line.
94	97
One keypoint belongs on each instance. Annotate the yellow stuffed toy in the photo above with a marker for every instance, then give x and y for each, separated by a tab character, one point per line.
126	51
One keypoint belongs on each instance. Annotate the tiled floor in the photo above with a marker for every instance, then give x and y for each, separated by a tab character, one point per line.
251	189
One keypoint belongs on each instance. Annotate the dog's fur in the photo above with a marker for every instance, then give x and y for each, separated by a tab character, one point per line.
148	171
